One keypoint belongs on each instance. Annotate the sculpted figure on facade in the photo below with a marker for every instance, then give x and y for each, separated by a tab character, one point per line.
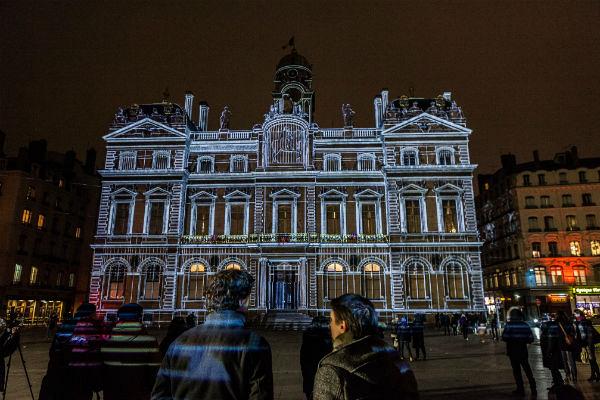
225	117
348	114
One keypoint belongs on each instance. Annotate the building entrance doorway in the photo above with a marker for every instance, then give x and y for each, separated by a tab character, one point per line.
283	287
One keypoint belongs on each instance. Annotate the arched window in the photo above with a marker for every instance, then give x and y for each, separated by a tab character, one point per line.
417	281
457	280
114	282
410	157
239	163
233	265
579	275
445	156
205	165
366	162
151	282
335	280
161	159
556	275
195	281
332	162
372	281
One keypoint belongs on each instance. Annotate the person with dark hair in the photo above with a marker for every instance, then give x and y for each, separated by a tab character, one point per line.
177	326
131	357
316	344
550	342
190	320
404	335
569	345
494	326
517	335
418	337
446	324
9	341
454	323
589	336
463	322
219	359
361	365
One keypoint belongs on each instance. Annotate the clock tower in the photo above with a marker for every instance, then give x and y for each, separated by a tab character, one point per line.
293	92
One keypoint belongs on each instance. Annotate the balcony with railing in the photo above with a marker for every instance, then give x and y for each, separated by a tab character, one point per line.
283	238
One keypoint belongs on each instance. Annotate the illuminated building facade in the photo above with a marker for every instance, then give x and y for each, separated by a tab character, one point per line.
386	211
542	237
48	208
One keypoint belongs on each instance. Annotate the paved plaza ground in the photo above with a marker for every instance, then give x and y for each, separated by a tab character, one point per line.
455	369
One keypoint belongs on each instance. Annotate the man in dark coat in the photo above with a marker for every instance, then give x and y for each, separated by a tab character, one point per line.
404	335
219	359
361	366
517	335
550	342
9	341
418	337
588	337
316	344
131	357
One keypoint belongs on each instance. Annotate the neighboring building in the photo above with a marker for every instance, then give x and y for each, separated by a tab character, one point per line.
48	208
311	212
540	224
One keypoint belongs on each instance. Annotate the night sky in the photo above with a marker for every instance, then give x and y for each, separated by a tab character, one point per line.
527	74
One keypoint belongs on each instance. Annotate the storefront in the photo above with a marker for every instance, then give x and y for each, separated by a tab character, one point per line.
587	298
35	312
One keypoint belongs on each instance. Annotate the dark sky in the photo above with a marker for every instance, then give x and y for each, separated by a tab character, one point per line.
527	74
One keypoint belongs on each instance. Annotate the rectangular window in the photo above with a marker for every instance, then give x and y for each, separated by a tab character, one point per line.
586	199
545	202
71	279
17	273
333	219
536	249
33	276
515	279
284	218
567	200
78	232
413	216
582	177
26	216
144	159
579	275
533	224
572	223
59	279
30	193
507	281
127	160
202	220
595	247
540	276
575	247
541	179
236	226
530	202
562	178
450	216
157	217
549	223
41	221
590	221
553	249
368	219
526	180
556	275
121	222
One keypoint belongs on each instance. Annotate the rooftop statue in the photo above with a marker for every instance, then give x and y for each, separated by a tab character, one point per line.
348	114
225	117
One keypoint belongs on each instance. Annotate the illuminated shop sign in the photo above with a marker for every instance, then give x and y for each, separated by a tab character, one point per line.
587	290
557	298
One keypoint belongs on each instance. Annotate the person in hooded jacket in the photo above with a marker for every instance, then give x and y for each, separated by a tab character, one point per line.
131	357
361	365
550	343
517	335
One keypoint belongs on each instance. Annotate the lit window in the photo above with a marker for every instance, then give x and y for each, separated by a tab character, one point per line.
536	249
575	248
368	220
41	221
233	265
78	232
335	267
26	216
556	275
196	268
372	277
540	276
59	278
335	280
595	246
579	275
456	281
196	281
71	279
202	226
114	282
450	216
33	276
151	282
61	183
515	279
17	273
507	278
572	223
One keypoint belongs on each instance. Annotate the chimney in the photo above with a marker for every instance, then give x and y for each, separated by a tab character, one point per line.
90	161
447	96
378	111
203	117
509	161
384	99
536	156
189	100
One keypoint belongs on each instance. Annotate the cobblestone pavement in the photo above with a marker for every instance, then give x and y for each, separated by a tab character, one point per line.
455	369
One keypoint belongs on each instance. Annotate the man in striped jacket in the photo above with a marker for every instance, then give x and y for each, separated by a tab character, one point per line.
131	357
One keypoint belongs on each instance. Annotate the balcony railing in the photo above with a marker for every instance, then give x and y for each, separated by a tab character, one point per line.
284	238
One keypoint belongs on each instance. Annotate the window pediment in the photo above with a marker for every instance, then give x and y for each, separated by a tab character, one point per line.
449	189
333	193
123	193
367	193
157	192
203	196
413	189
237	195
285	193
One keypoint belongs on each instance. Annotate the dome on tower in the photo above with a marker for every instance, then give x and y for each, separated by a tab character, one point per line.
293	59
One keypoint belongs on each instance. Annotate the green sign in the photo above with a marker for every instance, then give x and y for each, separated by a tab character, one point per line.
587	290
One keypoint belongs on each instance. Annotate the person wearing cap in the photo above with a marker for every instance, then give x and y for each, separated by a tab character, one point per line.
9	341
517	335
131	357
219	359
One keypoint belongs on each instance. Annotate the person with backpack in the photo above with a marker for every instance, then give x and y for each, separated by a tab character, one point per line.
361	365
517	335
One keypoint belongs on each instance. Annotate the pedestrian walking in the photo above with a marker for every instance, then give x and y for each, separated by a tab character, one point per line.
176	328
550	343
131	357
589	337
316	344
454	323
418	337
494	326
569	346
361	365
463	322
404	336
517	335
219	359
446	324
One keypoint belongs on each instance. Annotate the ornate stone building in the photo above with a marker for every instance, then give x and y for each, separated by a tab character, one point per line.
311	212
